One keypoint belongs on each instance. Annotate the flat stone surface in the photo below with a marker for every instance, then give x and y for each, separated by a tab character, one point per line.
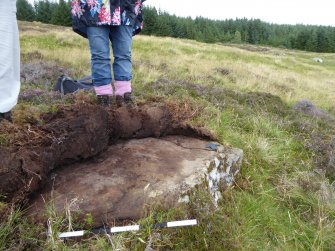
130	176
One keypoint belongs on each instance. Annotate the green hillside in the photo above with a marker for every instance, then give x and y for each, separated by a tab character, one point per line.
284	198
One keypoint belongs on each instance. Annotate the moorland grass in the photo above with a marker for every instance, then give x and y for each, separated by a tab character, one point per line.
279	201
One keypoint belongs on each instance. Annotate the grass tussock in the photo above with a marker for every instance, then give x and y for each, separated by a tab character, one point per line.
284	197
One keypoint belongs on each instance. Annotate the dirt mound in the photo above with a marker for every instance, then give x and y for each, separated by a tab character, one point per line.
319	125
76	133
308	108
39	73
223	97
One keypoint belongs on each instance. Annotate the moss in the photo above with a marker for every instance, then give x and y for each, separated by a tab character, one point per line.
4	141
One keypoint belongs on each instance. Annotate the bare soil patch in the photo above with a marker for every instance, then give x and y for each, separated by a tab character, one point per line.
76	133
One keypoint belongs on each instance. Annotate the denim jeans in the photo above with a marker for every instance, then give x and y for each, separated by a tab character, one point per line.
121	38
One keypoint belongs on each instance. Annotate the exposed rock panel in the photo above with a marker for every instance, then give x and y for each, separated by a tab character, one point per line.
136	174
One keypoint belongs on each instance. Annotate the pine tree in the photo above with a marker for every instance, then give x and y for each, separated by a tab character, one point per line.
43	11
190	29
311	41
150	17
61	14
321	41
237	37
331	34
163	26
25	11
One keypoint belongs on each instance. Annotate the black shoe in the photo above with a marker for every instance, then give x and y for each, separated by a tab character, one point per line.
6	116
125	100
105	100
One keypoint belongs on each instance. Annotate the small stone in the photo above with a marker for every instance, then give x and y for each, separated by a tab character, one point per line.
210	184
213	174
217	196
217	162
228	169
212	146
228	180
154	194
223	175
318	60
184	199
146	187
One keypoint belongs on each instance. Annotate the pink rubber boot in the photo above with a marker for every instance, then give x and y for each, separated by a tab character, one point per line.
104	94
123	93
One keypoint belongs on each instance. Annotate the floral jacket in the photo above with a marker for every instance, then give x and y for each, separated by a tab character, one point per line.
86	13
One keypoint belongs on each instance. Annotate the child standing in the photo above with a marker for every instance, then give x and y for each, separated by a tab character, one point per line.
102	21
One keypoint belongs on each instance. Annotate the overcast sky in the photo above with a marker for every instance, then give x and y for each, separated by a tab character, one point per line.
319	12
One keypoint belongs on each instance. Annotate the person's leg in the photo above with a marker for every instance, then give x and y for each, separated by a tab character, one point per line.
100	62
121	37
9	60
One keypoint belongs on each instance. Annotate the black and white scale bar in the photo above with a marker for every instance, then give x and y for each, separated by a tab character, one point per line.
132	228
